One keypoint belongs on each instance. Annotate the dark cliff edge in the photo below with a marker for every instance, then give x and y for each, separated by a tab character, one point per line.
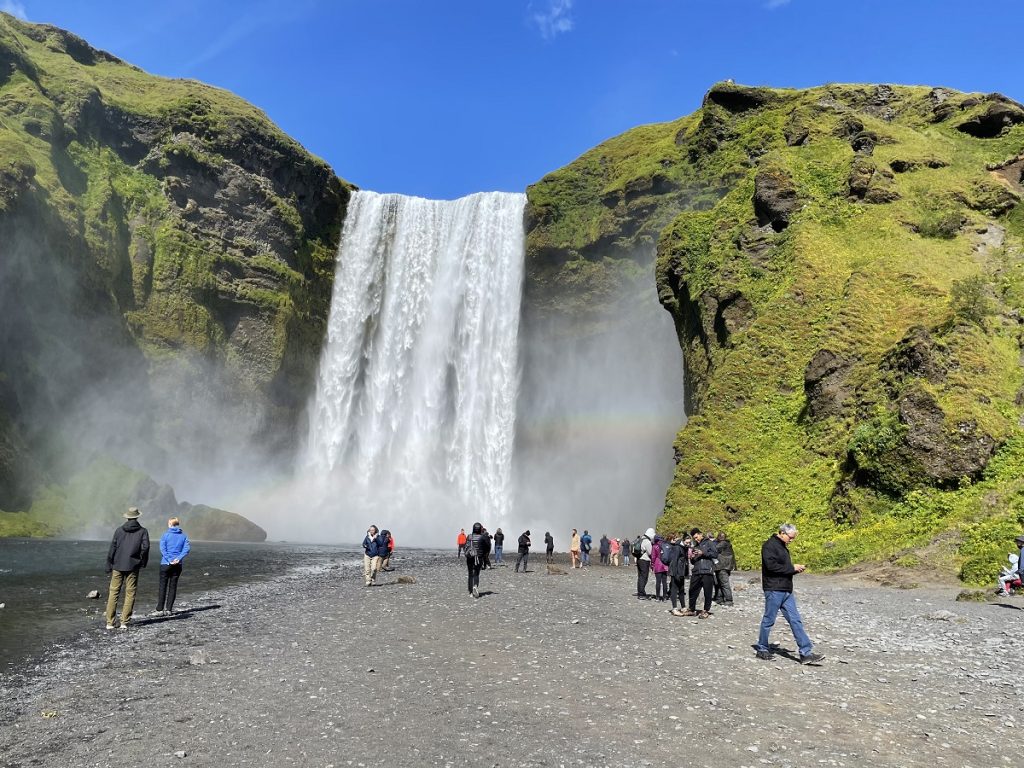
166	263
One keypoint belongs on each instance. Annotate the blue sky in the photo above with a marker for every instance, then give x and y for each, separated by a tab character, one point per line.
445	98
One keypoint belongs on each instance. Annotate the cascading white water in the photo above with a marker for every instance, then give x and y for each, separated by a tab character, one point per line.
415	404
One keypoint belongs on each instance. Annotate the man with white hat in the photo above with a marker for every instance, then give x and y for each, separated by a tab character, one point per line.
643	564
129	551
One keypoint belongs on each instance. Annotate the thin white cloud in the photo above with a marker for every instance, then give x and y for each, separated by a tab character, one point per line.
14	8
771	5
554	20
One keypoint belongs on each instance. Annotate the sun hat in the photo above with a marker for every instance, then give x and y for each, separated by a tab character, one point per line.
132	513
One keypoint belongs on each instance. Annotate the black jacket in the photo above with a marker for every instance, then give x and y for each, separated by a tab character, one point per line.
549	542
726	557
776	566
129	549
702	556
679	561
478	545
499	539
524	544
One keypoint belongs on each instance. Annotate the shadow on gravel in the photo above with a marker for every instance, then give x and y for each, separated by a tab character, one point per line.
178	616
1007	605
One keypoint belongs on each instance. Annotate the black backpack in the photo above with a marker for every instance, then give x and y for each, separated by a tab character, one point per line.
638	549
666	553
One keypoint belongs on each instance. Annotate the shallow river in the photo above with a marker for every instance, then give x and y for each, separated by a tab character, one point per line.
44	583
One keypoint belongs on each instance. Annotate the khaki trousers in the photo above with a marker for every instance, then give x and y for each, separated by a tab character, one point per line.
130	579
370	567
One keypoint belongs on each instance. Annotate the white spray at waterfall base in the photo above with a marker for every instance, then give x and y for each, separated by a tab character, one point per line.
412	424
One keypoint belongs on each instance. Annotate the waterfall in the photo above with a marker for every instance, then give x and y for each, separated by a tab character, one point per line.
414	412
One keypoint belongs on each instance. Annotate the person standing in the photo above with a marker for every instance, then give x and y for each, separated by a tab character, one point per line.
660	568
477	547
524	551
499	544
702	572
549	546
174	546
723	570
486	556
461	541
128	553
373	547
387	544
625	546
643	564
585	542
613	551
777	571
678	570
604	549
574	548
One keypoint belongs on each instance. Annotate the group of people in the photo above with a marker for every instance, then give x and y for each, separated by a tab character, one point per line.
707	560
496	543
377	548
129	553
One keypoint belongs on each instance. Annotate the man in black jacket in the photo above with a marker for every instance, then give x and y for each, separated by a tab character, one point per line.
703	554
777	571
129	551
524	551
724	567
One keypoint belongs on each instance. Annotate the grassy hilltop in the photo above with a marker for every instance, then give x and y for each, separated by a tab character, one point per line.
844	266
166	260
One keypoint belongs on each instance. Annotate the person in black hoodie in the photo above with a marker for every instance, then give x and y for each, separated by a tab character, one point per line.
478	545
777	571
723	570
702	561
549	546
524	551
678	570
129	551
499	543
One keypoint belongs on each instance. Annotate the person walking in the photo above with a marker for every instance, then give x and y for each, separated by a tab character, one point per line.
524	551
499	544
723	570
477	546
678	570
461	541
643	564
549	546
585	542
574	549
174	546
128	553
604	549
387	544
373	548
625	546
613	551
660	568
702	572
777	571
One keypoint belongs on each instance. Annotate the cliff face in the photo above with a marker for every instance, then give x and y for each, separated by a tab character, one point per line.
844	269
166	260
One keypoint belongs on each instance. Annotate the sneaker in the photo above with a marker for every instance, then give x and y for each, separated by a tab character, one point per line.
156	613
814	659
765	655
703	614
123	627
476	592
1002	593
677	612
110	626
688	612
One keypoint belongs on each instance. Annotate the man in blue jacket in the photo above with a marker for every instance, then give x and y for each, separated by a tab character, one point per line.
129	551
174	546
372	551
777	571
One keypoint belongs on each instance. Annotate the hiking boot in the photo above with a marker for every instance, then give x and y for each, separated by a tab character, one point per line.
688	612
814	659
703	614
764	655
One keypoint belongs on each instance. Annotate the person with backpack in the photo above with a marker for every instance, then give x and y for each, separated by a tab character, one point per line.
549	546
777	572
642	554
499	543
524	551
659	564
604	548
574	548
702	561
585	542
723	570
626	547
387	545
678	555
487	553
477	547
613	552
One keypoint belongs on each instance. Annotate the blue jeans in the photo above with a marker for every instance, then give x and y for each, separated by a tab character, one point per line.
785	602
497	553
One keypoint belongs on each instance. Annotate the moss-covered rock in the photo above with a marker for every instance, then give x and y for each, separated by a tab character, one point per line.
844	266
166	261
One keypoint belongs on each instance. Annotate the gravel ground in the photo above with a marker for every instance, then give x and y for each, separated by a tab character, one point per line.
314	669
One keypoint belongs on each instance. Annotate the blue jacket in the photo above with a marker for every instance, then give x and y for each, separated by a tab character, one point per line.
585	542
173	545
374	547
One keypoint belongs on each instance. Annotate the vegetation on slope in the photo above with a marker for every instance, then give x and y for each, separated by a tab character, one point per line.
844	267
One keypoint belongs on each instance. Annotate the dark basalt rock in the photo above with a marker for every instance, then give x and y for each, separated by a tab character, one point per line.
917	354
825	384
775	198
869	183
738	98
1000	114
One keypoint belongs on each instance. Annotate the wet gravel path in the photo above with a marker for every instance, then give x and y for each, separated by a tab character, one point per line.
315	669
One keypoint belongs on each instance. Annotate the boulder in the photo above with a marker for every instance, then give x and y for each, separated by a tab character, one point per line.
825	384
1000	113
775	198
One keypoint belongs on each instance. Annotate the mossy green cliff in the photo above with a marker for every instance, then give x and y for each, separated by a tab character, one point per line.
166	261
845	269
